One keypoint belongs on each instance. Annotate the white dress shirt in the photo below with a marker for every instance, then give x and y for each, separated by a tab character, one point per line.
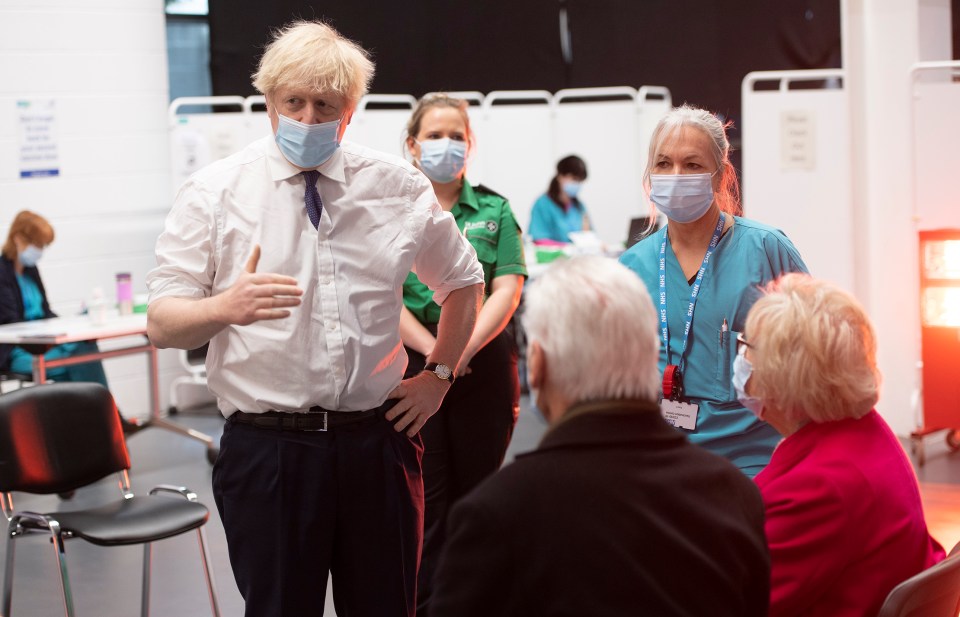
340	349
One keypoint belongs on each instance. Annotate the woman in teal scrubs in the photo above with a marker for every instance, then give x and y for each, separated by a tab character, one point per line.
559	211
704	270
23	298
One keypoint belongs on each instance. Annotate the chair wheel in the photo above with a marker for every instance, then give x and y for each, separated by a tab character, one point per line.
67	495
171	410
953	440
212	454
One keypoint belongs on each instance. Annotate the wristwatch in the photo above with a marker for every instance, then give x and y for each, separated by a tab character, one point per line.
440	371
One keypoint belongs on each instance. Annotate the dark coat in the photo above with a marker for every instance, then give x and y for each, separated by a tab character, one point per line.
616	513
11	300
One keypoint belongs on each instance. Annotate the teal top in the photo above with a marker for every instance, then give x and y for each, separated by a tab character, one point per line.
748	256
549	221
32	298
487	221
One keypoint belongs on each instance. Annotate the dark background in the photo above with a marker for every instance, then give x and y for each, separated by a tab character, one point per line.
699	49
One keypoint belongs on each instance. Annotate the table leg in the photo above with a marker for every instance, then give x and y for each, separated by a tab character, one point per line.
39	368
160	422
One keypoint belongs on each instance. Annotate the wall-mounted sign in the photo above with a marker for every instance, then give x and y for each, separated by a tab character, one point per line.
37	132
797	140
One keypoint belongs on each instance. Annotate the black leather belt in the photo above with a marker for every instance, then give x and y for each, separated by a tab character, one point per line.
316	419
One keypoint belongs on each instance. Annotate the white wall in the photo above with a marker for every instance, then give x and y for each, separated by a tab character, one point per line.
882	40
103	63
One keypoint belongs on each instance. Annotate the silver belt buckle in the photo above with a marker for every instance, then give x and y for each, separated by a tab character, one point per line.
324	428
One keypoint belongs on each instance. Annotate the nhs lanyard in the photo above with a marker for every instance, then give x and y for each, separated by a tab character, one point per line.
693	293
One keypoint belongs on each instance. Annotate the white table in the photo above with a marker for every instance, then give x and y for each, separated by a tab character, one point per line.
45	333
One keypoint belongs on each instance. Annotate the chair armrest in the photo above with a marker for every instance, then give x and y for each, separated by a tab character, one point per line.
179	490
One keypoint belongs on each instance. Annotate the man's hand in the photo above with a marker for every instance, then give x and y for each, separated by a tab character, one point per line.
254	296
419	398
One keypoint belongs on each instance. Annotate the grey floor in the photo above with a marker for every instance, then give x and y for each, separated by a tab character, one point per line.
106	581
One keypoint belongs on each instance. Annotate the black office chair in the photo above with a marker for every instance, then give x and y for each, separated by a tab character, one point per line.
935	592
62	436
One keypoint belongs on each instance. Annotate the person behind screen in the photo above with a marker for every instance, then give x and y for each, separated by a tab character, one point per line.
23	298
844	520
615	513
319	468
467	438
704	268
559	211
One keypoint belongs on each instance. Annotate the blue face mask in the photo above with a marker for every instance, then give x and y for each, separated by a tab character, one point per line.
307	145
31	255
682	197
442	160
742	369
572	189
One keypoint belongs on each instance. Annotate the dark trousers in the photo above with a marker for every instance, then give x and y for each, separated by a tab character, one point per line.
296	505
464	442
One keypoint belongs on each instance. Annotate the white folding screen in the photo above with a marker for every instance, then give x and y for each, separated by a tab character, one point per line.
516	146
797	166
520	136
600	126
381	129
936	133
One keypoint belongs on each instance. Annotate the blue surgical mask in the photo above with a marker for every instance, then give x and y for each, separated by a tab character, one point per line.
572	189
682	197
307	145
742	369
31	255
442	160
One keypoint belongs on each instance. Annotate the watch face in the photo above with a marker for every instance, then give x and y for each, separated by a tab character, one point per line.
443	371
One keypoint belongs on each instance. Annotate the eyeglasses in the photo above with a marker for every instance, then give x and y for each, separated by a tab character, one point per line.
742	342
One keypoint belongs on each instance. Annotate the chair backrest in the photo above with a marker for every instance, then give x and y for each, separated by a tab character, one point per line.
935	592
194	360
60	436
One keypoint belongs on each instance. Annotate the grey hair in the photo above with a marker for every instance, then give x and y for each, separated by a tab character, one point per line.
597	326
728	194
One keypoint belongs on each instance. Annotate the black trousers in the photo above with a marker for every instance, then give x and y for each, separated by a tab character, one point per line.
296	505
464	442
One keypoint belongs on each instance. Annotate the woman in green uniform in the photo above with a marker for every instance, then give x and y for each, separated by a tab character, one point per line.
467	438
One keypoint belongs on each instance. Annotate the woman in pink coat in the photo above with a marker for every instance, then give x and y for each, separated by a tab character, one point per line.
844	520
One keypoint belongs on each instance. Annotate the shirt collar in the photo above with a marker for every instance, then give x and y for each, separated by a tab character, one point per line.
282	169
468	197
607	423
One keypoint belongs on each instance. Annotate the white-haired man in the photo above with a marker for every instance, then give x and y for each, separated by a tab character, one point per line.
289	258
616	512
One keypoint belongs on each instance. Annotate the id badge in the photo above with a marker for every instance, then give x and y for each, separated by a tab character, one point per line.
680	414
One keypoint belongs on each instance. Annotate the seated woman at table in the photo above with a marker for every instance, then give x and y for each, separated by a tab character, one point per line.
559	211
844	520
23	298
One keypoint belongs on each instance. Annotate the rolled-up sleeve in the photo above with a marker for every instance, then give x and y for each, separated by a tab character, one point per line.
445	260
186	249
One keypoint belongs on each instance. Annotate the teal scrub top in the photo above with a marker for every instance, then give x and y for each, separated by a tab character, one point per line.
748	256
32	298
549	221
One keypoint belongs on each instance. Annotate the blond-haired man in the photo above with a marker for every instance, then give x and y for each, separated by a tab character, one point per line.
289	257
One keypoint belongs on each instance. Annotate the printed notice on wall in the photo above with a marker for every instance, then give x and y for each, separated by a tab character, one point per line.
797	140
37	131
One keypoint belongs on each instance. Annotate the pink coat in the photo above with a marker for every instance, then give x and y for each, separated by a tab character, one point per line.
844	520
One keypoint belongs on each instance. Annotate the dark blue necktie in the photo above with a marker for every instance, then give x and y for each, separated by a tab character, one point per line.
311	197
